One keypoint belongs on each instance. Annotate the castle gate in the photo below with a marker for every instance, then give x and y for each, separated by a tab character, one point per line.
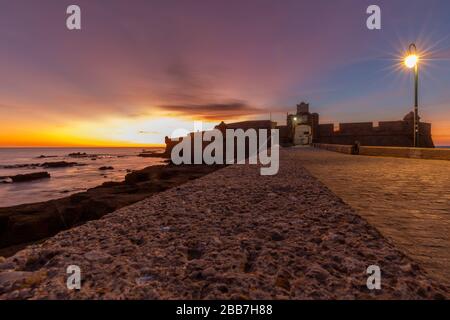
302	135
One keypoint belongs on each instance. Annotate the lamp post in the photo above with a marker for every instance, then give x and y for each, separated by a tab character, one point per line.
412	61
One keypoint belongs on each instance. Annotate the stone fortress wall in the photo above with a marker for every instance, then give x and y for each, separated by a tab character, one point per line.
387	133
303	128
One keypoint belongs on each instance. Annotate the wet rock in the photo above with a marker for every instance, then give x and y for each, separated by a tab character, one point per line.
104	168
30	177
136	177
110	184
152	154
20	166
58	164
78	155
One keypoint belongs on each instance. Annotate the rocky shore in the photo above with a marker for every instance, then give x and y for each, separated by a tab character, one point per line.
232	234
35	175
32	222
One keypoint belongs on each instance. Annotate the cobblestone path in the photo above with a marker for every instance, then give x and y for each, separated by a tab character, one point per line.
407	200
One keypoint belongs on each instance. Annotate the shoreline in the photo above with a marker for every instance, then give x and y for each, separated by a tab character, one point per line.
24	174
25	224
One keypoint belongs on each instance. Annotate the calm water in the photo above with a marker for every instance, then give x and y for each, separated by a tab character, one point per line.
65	181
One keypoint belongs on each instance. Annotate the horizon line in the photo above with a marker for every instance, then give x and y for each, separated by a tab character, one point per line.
82	147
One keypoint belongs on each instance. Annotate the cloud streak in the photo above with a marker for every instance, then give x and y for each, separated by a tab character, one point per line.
212	111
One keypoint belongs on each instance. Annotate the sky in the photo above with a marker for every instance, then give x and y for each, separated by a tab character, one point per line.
138	70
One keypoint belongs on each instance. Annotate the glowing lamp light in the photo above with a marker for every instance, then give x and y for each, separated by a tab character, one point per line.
295	119
411	61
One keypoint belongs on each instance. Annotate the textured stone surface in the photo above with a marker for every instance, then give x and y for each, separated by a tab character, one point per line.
231	234
408	200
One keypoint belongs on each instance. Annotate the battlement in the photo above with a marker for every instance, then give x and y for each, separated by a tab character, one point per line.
303	108
386	133
303	128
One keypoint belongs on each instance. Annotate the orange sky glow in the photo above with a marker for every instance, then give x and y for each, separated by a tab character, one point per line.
136	73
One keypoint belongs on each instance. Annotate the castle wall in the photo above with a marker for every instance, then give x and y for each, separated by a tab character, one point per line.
388	133
357	128
325	130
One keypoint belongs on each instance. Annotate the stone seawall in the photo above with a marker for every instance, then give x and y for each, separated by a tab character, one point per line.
399	152
334	147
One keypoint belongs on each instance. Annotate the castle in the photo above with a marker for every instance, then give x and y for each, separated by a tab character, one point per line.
303	128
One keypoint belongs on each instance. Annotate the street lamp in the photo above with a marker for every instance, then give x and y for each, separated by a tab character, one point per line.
412	61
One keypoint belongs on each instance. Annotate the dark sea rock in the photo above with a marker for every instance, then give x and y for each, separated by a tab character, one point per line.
152	154
51	165
82	155
19	166
45	157
30	177
59	164
106	168
136	177
5	180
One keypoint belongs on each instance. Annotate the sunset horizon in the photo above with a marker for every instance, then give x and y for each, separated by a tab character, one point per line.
121	81
216	158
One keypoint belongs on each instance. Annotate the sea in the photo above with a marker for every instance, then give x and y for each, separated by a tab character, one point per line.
68	180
